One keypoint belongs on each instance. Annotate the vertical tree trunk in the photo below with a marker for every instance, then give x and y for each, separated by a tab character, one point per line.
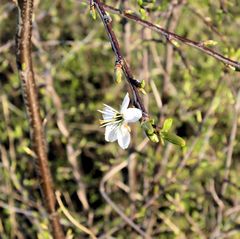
26	74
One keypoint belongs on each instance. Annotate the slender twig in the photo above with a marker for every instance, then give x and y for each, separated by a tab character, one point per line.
25	68
215	196
134	84
10	208
169	49
112	172
71	218
172	36
6	46
209	112
107	177
176	230
206	22
72	153
231	143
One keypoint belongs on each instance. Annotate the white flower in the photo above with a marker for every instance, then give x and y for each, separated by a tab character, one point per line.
117	122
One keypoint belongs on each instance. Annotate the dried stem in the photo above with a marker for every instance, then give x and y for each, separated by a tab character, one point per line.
231	144
107	177
71	218
168	88
111	173
72	153
25	68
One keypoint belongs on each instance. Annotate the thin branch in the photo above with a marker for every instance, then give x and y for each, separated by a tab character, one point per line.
72	153
112	172
26	74
172	22
105	179
172	36
134	84
214	194
231	144
71	218
206	22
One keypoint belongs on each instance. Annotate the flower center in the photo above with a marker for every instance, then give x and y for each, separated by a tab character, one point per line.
117	119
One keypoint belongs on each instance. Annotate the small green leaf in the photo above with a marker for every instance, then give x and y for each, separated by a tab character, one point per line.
199	116
143	83
143	13
167	125
148	128
118	73
210	43
140	2
142	91
93	12
128	11
231	67
173	138
150	131
175	43
154	138
141	87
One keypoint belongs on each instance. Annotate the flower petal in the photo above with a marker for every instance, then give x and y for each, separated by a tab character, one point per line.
107	107
125	103
111	133
107	113
131	115
123	137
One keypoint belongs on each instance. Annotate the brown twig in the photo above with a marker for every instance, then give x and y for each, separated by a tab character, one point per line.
107	177
72	153
231	144
206	22
172	22
72	219
172	36
112	172
26	74
134	84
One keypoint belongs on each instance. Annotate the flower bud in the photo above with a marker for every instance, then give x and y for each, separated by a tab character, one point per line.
118	73
142	91
143	83
141	87
175	43
173	138
150	131
154	138
93	12
209	43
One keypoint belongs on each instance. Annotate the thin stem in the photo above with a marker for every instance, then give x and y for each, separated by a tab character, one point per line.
172	36
72	153
231	144
112	172
134	84
26	74
71	218
104	194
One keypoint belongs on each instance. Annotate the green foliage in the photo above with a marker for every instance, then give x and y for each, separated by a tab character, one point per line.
169	191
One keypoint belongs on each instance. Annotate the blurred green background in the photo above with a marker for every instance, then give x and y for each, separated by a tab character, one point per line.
168	192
